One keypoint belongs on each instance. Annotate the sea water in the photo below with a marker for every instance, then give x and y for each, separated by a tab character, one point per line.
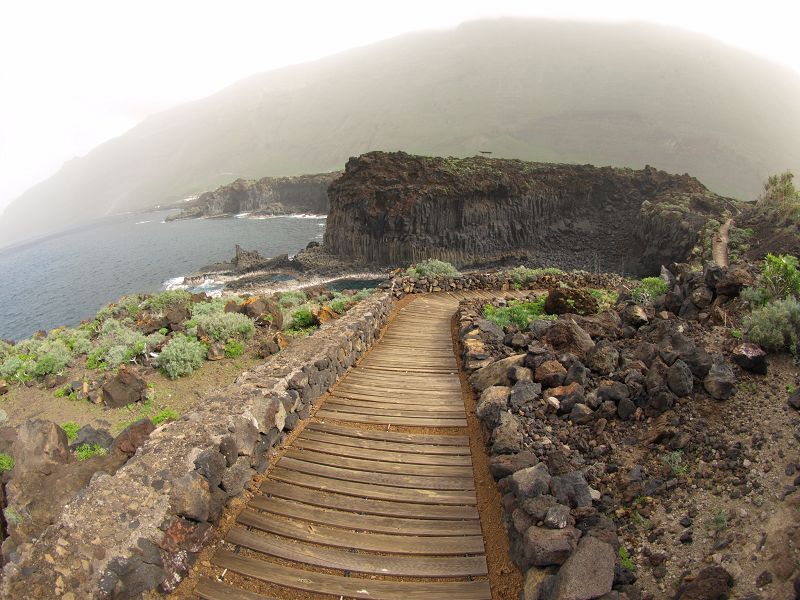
63	279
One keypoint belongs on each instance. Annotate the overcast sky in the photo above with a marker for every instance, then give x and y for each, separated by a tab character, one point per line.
76	73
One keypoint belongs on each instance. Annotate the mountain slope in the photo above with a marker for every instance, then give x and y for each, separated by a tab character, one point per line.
608	94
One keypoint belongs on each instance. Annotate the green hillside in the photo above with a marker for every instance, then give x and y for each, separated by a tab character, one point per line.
607	94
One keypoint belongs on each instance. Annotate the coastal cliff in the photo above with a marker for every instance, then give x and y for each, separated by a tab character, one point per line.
395	208
268	196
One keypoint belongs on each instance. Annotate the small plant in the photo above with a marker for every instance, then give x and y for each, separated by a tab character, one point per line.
181	356
625	560
775	326
780	277
639	520
302	318
648	290
6	462
432	268
675	462
71	429
791	388
737	333
605	298
519	313
87	451
233	349
719	521
164	415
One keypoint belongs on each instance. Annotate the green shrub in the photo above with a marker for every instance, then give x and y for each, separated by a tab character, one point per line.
6	462
181	356
519	313
233	349
780	277
605	298
625	559
71	429
164	415
302	318
524	275
163	300
340	304
217	305
290	299
432	268
775	326
66	392
17	369
223	326
649	289
117	344
755	296
87	451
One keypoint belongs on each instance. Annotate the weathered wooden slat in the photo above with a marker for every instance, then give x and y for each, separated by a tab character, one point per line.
396	410
211	589
352	587
371	464
387	479
373	542
371	490
333	558
376	523
393	403
406	421
376	445
368	506
407	458
391	436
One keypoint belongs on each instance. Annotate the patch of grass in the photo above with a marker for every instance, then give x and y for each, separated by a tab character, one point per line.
625	559
6	462
648	290
719	521
71	429
524	275
791	388
737	334
164	415
640	521
606	299
675	462
233	348
432	268
519	313
87	451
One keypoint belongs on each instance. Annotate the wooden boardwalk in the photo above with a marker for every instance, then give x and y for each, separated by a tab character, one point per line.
357	509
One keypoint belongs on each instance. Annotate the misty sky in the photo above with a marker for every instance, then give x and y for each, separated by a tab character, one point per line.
77	73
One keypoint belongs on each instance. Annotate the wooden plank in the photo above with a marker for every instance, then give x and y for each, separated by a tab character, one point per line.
371	490
378	446
370	463
393	410
368	506
333	558
407	458
417	402
411	422
452	406
373	542
391	436
211	589
422	396
352	587
376	523
387	479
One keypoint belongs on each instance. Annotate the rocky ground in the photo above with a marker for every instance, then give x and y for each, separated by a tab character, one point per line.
641	455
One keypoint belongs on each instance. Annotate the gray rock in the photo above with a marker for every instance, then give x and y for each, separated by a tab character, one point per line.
520	374
503	465
89	435
571	489
496	373
794	399
680	379
603	358
493	401
577	373
237	476
211	465
523	393
530	482
40	447
581	414
625	409
491	331
588	573
720	382
538	506
557	517
543	546
701	296
614	390
550	373
191	496
565	335
507	436
216	351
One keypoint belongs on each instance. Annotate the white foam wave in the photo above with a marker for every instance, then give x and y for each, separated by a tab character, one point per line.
142	222
241	215
175	283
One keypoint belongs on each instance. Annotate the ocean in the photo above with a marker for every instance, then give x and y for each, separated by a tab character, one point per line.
66	278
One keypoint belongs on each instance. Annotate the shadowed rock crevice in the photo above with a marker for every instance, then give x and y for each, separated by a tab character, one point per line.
394	208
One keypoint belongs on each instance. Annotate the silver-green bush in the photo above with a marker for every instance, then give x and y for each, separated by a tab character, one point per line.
181	356
223	326
432	268
775	326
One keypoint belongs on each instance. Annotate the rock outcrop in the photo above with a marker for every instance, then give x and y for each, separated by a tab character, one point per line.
394	208
270	196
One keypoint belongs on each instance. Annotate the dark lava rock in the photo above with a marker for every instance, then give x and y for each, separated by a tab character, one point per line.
720	382
588	573
711	583
571	489
530	482
567	396
524	392
794	399
579	301
750	357
550	373
634	315
577	373
680	379
603	358
133	436
612	390
507	436
126	387
566	336
543	546
503	465
581	414
557	517
40	447
625	409
495	373
538	506
89	435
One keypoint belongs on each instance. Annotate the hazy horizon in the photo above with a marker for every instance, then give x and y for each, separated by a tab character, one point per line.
115	66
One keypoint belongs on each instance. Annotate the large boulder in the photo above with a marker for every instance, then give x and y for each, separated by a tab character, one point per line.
588	573
720	382
544	546
496	373
40	447
711	583
566	336
493	401
133	436
750	357
508	435
531	481
680	379
579	301
126	387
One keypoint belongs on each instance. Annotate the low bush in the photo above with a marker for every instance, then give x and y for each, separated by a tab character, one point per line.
163	300
775	326
223	326
606	299
302	318
164	415
290	299
524	275
233	348
117	344
71	429
217	305
519	313
87	451
35	358
432	268
649	289
181	356
6	462
340	303
780	277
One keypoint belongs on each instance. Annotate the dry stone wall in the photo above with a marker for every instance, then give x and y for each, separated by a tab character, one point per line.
141	528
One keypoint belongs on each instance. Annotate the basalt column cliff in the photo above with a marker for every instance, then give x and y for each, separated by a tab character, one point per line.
394	208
